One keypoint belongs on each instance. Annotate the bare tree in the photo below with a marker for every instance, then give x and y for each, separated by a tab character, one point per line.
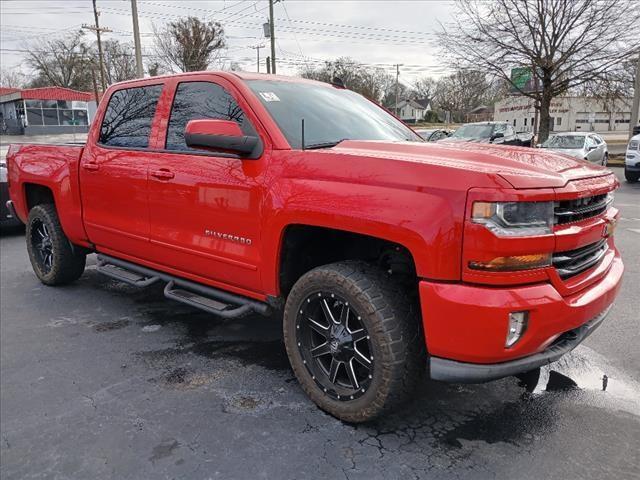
565	43
189	44
60	62
12	79
119	62
371	82
425	87
462	91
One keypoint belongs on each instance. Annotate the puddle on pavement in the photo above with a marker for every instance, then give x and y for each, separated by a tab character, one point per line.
581	376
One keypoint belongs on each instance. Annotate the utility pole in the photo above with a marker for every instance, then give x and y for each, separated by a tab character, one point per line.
257	49
136	38
272	36
635	109
96	28
398	65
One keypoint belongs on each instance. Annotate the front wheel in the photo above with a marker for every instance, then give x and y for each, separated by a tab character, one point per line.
632	177
605	160
52	258
354	340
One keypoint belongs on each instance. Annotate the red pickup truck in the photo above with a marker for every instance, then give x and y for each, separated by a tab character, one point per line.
386	255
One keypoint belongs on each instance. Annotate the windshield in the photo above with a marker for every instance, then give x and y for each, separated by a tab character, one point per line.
473	131
572	142
330	114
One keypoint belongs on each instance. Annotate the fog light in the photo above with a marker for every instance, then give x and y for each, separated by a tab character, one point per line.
517	326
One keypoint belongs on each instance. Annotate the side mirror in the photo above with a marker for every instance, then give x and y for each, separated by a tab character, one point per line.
223	135
497	135
590	148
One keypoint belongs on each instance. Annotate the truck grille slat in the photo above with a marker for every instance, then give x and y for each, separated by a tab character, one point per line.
568	211
576	261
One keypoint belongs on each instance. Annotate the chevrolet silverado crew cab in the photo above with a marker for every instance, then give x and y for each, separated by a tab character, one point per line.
387	256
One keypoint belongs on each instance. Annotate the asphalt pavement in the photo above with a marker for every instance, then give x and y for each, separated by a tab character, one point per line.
99	380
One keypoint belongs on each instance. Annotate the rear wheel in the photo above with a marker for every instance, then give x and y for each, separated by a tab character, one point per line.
52	258
354	340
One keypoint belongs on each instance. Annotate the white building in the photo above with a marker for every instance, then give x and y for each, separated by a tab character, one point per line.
412	111
568	114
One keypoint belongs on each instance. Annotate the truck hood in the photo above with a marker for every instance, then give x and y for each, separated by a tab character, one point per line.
519	166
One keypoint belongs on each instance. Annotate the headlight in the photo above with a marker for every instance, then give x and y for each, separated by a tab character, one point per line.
514	219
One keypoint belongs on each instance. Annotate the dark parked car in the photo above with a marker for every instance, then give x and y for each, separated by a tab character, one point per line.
433	134
499	133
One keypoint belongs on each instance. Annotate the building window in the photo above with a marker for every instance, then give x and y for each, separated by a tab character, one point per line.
514	122
525	121
56	112
558	121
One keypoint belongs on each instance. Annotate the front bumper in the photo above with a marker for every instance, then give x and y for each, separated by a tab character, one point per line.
466	325
461	372
632	161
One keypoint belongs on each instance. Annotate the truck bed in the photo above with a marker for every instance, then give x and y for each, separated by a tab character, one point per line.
50	166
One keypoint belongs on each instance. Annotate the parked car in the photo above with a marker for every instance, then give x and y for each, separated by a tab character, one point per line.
7	218
499	133
433	134
632	160
582	145
387	255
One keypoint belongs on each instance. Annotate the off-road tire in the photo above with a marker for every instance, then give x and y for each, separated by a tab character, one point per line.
66	265
390	316
631	177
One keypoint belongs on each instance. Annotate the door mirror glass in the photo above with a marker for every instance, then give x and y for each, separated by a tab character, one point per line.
221	135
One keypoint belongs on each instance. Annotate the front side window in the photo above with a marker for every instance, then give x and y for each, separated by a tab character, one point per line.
201	100
330	114
127	121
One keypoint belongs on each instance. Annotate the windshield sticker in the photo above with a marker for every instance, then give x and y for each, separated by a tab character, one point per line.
269	97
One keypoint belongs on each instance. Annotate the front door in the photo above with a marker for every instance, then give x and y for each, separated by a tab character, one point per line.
113	173
204	206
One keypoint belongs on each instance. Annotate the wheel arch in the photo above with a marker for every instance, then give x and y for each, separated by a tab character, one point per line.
303	247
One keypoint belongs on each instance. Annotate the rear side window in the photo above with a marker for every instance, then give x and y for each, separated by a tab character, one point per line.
200	100
127	121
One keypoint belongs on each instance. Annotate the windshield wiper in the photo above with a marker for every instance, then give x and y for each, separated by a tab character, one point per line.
315	146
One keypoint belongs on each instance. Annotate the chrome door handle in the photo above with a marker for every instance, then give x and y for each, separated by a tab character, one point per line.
92	166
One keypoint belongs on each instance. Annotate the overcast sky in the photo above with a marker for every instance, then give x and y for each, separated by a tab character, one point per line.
383	32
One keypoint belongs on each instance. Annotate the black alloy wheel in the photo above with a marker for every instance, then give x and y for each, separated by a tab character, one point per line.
354	339
54	260
335	346
42	246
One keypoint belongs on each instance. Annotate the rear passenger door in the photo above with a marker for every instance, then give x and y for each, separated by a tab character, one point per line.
204	206
113	172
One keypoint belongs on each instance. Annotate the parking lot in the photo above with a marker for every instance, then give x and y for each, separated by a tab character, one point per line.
102	380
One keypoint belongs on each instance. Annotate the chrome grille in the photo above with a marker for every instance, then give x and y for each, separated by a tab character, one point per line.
576	261
568	211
